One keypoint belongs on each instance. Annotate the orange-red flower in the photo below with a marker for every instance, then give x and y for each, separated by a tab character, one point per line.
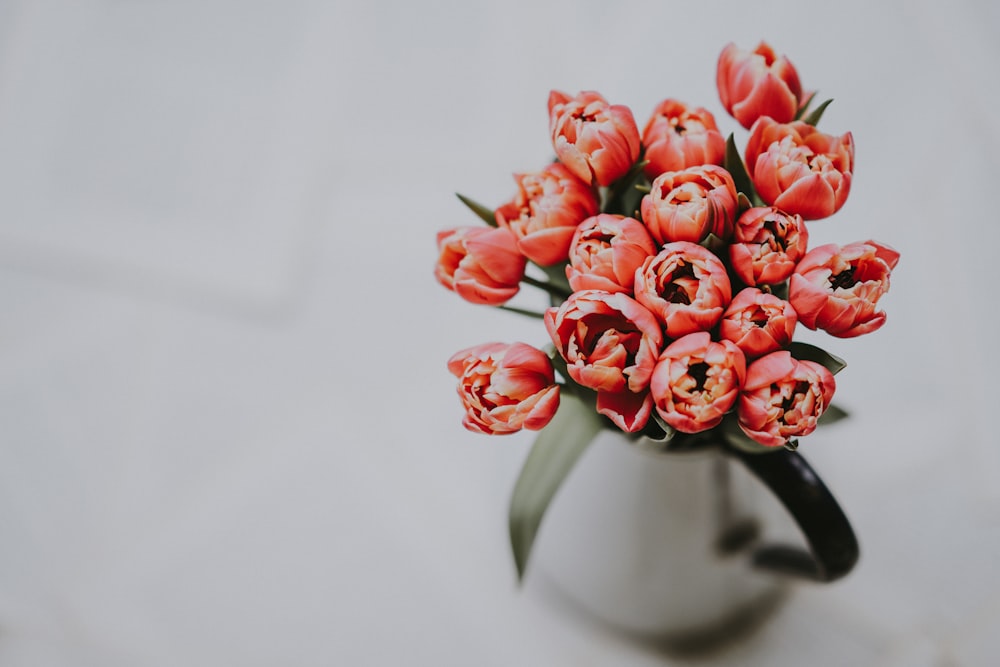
605	252
798	169
505	388
696	381
782	398
758	83
610	344
678	136
480	264
685	286
597	141
837	289
758	322
544	213
767	243
688	205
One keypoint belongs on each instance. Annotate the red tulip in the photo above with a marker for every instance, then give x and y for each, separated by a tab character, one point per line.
798	169
545	212
782	398
758	322
605	252
481	264
689	205
758	83
685	286
678	136
505	388
597	141
767	243
838	289
610	344
696	381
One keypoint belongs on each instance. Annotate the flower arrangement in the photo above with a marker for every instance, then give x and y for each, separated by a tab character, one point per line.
678	270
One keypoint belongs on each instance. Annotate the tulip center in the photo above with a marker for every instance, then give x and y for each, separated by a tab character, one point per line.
794	396
699	373
845	279
678	289
777	230
758	318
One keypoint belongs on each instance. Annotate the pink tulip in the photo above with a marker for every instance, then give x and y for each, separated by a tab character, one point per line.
505	388
696	381
610	344
758	322
685	286
767	244
758	83
544	213
838	289
782	398
597	141
605	252
480	264
798	169
678	136
688	205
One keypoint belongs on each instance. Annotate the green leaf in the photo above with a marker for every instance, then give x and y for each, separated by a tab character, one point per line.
742	202
486	214
807	352
557	277
804	107
832	415
734	165
556	450
817	113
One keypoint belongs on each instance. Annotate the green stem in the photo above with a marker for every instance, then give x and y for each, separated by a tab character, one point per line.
522	311
554	290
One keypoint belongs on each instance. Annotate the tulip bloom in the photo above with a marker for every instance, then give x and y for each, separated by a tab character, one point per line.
605	252
480	264
798	169
782	398
758	323
678	136
767	243
505	388
758	83
545	212
696	381
597	141
837	289
685	286
610	344
688	205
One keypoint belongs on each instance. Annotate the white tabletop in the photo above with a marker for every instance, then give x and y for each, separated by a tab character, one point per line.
229	434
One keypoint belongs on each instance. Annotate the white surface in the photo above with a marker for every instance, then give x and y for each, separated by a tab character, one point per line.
229	434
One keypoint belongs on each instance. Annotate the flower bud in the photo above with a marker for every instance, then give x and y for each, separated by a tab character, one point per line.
758	83
597	141
480	264
505	388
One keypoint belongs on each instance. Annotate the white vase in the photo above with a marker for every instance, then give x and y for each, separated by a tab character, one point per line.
660	544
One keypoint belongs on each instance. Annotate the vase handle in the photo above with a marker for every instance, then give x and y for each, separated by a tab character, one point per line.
833	547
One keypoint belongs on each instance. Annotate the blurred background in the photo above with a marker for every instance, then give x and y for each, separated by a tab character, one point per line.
229	436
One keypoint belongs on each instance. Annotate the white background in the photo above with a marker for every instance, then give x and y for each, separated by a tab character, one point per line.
229	437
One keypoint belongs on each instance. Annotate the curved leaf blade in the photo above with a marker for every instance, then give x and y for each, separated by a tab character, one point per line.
555	452
741	179
807	352
817	113
484	213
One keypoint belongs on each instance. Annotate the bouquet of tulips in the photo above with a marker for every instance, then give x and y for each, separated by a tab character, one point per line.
678	270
